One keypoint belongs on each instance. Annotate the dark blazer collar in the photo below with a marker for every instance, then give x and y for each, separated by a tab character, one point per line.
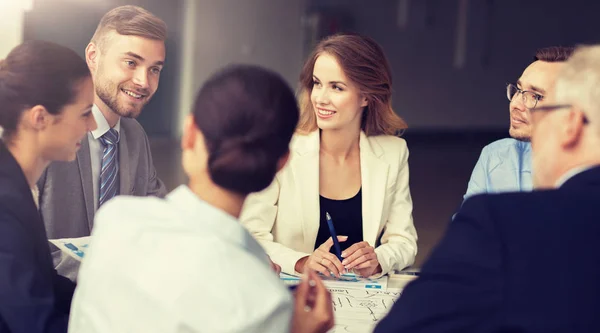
11	173
16	197
587	178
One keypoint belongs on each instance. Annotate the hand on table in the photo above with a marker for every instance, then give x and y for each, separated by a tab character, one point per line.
361	258
322	261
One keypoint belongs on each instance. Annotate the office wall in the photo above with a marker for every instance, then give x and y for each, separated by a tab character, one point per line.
502	35
72	23
204	35
262	32
11	24
430	92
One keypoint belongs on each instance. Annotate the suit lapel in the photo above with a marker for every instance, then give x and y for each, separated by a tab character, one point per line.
305	169
124	176
374	175
84	163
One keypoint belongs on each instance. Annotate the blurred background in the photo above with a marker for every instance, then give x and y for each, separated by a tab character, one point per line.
451	60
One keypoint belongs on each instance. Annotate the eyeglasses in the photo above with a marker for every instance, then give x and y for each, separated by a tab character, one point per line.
549	108
530	98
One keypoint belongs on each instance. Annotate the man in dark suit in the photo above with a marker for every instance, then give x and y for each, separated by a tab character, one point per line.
525	262
125	56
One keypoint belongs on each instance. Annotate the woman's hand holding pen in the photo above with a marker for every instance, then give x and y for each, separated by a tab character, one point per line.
322	261
362	258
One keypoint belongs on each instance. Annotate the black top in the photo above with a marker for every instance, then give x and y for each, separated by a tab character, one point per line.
33	298
346	216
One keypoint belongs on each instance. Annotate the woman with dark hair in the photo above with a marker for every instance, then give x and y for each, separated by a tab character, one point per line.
346	163
184	263
46	95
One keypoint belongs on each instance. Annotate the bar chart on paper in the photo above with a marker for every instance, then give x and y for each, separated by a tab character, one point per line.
358	311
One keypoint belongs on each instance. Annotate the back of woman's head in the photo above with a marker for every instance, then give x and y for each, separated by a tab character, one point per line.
37	73
364	63
247	115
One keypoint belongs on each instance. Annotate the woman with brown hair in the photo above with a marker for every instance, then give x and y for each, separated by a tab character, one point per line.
46	96
346	162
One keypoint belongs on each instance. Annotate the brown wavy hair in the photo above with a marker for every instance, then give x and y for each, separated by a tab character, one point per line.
365	64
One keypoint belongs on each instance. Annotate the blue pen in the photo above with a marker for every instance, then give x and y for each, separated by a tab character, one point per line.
336	244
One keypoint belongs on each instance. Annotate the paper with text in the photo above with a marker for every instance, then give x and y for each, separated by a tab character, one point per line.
74	247
358	311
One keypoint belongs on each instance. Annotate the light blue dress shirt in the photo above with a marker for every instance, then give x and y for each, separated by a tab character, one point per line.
504	166
175	265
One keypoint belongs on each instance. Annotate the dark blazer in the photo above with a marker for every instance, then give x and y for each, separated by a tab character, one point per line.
33	297
66	190
513	262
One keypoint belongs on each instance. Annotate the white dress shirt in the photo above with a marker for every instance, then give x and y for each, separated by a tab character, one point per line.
175	265
96	149
35	191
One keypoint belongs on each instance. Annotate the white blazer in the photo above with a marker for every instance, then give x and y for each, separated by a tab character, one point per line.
284	218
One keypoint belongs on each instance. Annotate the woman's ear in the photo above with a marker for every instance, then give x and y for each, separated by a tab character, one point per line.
188	139
37	118
364	102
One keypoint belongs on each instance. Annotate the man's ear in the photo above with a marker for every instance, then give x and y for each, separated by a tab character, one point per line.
574	124
91	57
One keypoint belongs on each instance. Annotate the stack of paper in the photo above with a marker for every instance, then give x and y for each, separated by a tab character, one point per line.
345	281
74	247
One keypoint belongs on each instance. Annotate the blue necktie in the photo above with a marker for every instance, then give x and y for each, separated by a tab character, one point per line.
109	174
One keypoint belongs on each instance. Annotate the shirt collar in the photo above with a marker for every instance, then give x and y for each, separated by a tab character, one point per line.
207	216
525	148
572	173
103	126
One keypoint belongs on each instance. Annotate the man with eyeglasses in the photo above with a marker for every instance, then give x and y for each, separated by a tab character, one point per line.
505	165
525	261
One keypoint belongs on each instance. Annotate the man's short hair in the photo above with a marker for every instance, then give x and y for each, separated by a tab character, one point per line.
579	82
130	21
553	54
